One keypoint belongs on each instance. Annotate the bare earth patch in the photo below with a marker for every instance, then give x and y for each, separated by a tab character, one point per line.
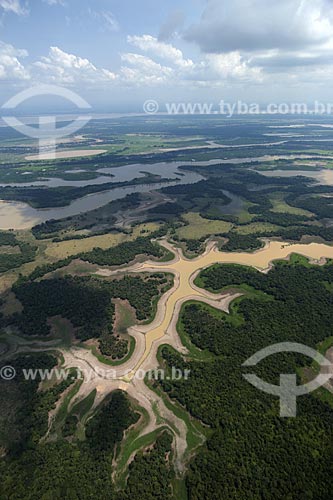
66	154
162	330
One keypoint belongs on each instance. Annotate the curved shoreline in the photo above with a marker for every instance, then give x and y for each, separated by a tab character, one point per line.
163	329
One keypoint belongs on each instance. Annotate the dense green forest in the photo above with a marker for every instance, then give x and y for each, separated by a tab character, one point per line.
84	301
62	469
44	197
70	468
87	303
320	205
123	253
25	417
151	473
7	239
10	259
208	198
262	456
103	217
107	419
250	453
237	242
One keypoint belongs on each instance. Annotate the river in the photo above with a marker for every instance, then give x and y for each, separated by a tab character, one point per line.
17	215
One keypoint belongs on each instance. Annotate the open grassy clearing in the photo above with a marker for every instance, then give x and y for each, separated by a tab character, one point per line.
244	216
84	406
9	278
280	206
65	154
49	252
145	143
64	249
82	411
132	447
6	249
124	316
257	227
10	304
198	227
77	267
309	373
132	442
63	410
62	329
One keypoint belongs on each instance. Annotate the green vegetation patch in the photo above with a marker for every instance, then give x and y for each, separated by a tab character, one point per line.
14	252
257	228
108	425
281	206
88	303
123	253
198	227
257	450
66	468
238	242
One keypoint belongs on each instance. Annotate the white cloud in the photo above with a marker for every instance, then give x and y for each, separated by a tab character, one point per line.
251	25
139	70
162	50
214	69
62	67
10	66
242	41
55	2
13	6
162	64
110	21
106	19
231	66
144	71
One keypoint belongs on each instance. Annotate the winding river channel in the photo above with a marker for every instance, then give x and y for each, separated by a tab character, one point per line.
163	329
129	376
18	215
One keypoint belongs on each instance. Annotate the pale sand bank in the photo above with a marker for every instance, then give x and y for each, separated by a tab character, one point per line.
66	154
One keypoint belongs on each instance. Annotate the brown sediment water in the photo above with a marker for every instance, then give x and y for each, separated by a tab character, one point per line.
185	270
163	328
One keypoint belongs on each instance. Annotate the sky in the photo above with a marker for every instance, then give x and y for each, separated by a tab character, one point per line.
118	53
